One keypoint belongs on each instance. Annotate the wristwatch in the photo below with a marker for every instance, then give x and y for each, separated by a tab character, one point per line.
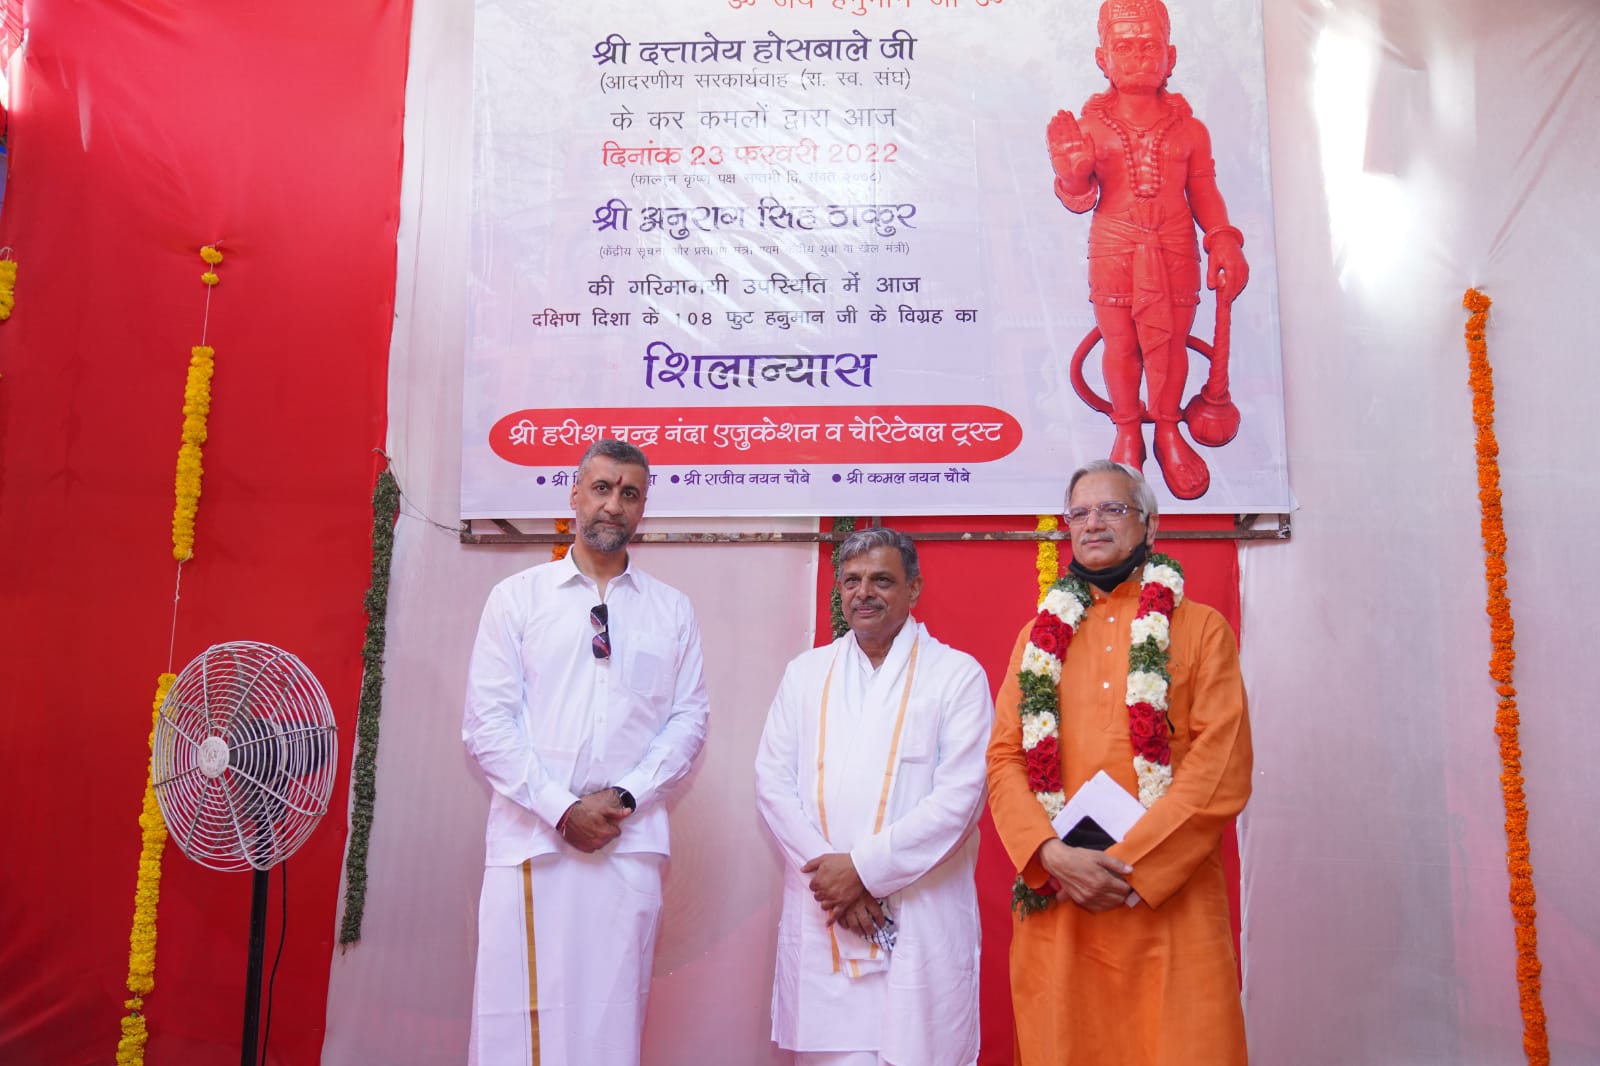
625	797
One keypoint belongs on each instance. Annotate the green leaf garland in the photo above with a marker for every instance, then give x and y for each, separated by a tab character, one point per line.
840	626
364	769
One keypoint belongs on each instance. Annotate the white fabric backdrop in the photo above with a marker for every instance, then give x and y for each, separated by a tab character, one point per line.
403	995
1418	147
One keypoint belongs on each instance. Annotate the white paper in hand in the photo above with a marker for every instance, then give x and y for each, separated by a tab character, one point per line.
1112	807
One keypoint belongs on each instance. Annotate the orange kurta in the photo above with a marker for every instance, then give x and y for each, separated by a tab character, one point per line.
1155	984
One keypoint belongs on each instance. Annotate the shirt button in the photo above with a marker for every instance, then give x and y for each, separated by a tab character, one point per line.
1108	647
1113	618
1105	684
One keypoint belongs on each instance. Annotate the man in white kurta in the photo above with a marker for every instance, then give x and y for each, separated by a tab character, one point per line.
585	703
870	774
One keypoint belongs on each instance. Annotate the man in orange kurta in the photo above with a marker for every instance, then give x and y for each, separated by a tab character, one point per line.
1095	982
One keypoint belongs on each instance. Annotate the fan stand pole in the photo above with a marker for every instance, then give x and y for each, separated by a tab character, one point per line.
252	976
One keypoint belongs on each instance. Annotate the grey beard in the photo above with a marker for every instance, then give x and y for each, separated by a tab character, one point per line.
602	540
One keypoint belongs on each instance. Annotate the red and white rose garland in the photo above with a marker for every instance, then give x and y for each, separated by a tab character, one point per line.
1061	612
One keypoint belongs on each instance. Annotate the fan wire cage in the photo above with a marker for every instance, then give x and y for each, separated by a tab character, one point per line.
244	756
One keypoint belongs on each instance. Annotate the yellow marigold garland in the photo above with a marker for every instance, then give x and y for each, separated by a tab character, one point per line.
1502	630
1048	557
153	830
8	287
196	406
212	257
142	940
559	550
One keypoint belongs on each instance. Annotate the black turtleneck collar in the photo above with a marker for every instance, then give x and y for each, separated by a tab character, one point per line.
1112	576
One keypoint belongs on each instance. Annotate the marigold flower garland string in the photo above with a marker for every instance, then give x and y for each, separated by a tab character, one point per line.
559	549
1048	557
196	409
142	940
1502	630
8	283
153	831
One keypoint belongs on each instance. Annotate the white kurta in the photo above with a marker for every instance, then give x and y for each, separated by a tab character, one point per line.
902	793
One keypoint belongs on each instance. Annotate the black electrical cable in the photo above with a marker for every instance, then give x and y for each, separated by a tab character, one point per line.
283	935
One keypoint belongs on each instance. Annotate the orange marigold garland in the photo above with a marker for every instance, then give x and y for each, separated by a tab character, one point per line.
558	550
1502	630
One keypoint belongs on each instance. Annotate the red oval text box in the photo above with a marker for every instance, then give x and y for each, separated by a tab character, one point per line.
729	436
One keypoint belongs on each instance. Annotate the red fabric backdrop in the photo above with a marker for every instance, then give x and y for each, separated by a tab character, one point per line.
140	131
976	596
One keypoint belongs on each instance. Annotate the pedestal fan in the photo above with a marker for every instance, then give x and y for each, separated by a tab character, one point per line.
243	762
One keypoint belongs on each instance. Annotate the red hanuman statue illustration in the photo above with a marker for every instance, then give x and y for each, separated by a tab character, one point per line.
1142	161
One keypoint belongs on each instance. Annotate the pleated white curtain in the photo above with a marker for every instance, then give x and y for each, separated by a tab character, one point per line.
1419	148
404	995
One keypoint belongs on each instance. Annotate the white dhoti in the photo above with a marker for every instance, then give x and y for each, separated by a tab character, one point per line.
565	944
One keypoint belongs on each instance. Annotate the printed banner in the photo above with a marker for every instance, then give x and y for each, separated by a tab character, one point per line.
813	256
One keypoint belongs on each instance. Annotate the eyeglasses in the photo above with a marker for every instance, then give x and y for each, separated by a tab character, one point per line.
1110	512
599	616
